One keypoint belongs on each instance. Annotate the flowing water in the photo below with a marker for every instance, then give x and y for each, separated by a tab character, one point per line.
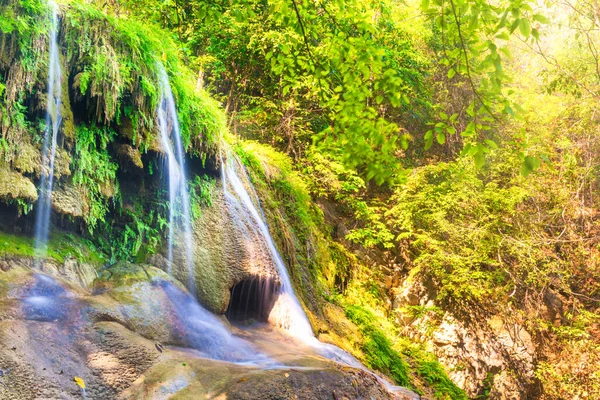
53	120
201	330
179	204
46	300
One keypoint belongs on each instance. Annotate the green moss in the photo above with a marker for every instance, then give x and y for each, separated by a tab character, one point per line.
377	347
120	59
60	246
401	358
16	245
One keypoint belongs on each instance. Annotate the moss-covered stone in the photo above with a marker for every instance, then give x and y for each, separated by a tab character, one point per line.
123	274
28	160
132	298
226	252
62	163
14	186
67	125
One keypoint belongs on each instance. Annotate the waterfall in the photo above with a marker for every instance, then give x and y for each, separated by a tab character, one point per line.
53	120
179	204
287	312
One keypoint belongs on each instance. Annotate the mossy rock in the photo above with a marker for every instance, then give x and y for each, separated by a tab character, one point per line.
14	186
28	159
183	377
123	274
62	163
130	158
132	297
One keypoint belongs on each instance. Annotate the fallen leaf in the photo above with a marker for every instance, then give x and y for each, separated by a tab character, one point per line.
286	375
79	382
243	380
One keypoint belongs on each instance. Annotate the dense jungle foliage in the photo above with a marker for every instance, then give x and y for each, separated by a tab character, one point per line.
452	145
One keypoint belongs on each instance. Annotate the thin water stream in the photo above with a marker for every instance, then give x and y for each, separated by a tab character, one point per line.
179	203
53	120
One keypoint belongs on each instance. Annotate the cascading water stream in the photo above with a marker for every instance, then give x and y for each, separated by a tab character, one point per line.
296	322
170	137
53	120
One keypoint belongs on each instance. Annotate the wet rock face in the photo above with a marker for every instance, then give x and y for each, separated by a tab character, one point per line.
492	354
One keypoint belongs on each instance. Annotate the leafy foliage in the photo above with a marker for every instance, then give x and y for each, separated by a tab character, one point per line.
94	171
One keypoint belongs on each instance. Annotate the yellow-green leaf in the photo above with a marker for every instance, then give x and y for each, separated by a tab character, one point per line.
79	382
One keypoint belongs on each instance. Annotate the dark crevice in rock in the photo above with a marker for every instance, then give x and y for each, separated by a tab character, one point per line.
252	299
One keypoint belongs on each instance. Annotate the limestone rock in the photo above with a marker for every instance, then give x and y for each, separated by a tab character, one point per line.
62	163
228	250
28	159
489	350
179	375
77	272
69	200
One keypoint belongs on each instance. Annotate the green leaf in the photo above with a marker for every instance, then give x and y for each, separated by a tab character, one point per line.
529	164
524	27
428	139
541	18
451	73
441	138
491	144
479	158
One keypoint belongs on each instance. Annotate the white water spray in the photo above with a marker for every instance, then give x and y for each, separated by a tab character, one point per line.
179	204
53	120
